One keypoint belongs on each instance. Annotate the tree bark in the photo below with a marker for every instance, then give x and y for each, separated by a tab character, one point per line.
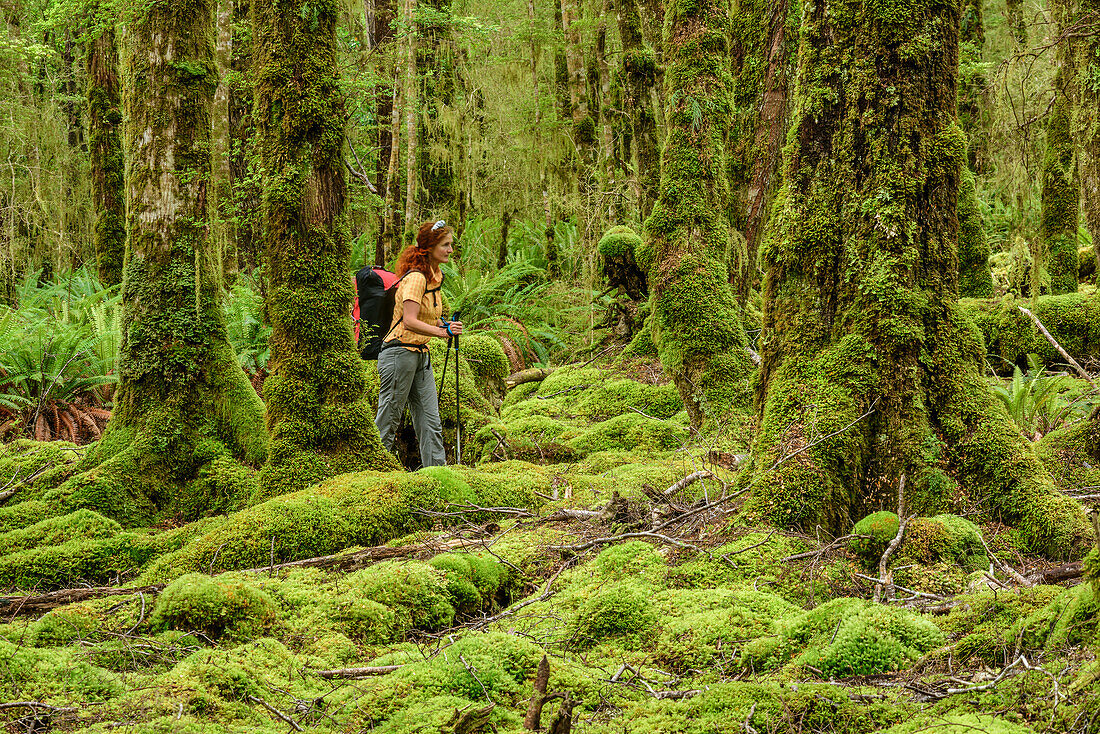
410	100
320	420
687	239
244	156
381	14
1086	117
108	167
185	412
869	371
436	76
222	229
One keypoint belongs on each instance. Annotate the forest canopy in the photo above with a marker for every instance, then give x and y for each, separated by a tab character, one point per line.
774	407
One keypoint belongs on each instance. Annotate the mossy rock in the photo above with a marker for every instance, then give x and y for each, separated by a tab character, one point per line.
50	460
223	605
619	242
622	610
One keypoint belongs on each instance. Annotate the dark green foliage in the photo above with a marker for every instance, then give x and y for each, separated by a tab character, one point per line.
1009	335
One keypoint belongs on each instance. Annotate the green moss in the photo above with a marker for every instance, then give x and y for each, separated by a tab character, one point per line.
225	605
82	524
621	610
1060	194
948	538
632	432
485	356
54	674
77	561
881	526
847	637
473	582
959	724
62	626
1071	618
22	514
1072	319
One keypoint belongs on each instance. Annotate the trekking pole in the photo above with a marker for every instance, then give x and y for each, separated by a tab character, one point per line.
458	405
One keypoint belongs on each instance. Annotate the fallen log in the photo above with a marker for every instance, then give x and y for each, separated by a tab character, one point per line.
1059	573
356	673
28	605
534	374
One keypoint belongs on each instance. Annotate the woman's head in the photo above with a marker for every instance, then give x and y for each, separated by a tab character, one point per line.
434	244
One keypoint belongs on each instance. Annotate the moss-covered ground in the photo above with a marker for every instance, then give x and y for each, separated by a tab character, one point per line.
438	593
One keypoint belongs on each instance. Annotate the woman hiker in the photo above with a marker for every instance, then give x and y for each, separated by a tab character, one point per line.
404	365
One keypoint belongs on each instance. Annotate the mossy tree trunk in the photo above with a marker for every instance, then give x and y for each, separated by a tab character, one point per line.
244	161
108	167
639	64
184	410
1086	125
1060	194
975	276
382	13
973	115
320	421
225	239
687	238
869	372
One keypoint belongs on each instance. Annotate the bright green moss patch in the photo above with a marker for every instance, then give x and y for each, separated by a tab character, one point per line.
847	637
951	723
82	524
226	604
881	526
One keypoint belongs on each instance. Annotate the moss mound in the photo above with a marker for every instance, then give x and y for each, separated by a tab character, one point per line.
882	527
226	604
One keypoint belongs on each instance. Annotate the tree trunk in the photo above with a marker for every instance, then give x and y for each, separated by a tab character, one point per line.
108	168
320	420
1060	194
184	410
244	163
640	69
381	14
975	276
390	236
505	223
224	237
1086	127
686	249
409	98
869	373
764	71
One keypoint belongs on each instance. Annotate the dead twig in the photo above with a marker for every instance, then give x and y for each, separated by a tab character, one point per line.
823	550
294	724
625	536
357	673
687	482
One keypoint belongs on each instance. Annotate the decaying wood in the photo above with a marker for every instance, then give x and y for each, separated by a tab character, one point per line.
531	721
1064	572
886	577
1005	568
30	605
534	374
563	720
1039	325
356	673
821	551
469	720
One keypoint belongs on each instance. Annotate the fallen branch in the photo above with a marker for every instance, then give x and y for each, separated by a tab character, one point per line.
1005	568
916	594
35	705
886	579
1035	319
1064	572
830	546
356	673
625	536
277	712
687	482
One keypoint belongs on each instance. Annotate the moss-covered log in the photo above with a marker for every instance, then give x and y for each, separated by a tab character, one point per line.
320	421
108	168
688	240
1072	319
185	413
869	372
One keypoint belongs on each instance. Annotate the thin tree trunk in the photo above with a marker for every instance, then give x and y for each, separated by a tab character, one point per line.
244	157
390	235
320	420
505	224
640	66
864	352
222	229
380	15
1086	129
105	154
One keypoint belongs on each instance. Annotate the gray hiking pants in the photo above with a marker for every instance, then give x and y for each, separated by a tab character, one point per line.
406	376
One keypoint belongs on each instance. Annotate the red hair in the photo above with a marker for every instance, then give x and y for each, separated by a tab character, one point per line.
417	255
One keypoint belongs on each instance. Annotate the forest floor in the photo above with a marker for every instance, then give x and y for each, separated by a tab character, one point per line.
612	582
